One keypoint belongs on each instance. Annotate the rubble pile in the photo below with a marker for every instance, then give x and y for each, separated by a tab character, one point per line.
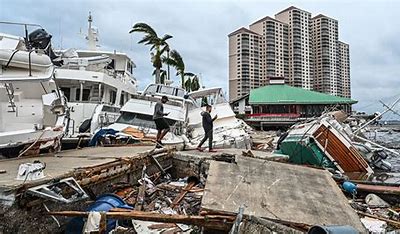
164	196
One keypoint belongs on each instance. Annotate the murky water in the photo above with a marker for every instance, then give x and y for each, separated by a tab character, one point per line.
391	140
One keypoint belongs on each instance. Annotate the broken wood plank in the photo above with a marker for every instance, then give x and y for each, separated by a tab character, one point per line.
103	223
162	225
389	221
215	222
184	191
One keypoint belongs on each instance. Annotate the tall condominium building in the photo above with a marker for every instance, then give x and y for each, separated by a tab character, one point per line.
299	46
244	62
344	69
325	39
274	50
305	51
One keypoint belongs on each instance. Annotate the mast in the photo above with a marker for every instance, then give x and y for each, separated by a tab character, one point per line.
92	35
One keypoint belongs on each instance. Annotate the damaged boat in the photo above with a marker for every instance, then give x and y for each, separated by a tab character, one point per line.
96	84
330	143
185	118
33	111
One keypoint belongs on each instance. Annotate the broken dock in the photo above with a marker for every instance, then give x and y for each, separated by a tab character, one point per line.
278	196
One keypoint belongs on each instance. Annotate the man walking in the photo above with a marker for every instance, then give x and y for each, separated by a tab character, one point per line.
208	129
161	124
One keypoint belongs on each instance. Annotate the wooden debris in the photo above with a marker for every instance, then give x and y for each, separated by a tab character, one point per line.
162	225
103	223
389	221
215	222
184	191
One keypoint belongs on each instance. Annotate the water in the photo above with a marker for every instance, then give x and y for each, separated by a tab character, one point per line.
389	139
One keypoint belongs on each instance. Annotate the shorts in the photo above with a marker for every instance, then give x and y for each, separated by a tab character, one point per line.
161	124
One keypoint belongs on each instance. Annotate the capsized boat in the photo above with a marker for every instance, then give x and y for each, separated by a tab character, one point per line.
32	108
328	142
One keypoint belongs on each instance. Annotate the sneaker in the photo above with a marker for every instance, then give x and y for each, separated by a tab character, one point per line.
200	149
212	150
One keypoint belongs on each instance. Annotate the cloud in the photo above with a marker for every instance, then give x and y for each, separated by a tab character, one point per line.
200	30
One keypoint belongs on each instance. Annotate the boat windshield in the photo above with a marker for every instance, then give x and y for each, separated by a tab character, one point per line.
140	120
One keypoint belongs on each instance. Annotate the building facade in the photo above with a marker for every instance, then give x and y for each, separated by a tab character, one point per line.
244	62
305	50
274	51
325	53
344	70
299	38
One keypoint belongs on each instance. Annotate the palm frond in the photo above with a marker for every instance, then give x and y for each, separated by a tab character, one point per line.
143	27
189	74
166	37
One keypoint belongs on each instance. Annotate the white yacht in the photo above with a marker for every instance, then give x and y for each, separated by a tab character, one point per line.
137	113
96	84
228	132
184	118
32	108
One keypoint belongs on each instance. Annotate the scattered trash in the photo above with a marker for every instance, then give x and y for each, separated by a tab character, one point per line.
374	225
66	190
31	171
375	201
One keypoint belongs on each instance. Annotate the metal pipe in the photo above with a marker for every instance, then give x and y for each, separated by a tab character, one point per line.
81	92
29	61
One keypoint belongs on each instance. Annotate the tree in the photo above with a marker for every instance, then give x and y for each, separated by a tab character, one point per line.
163	75
158	47
176	61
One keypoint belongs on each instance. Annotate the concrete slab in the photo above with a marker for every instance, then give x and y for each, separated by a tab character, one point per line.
65	162
278	191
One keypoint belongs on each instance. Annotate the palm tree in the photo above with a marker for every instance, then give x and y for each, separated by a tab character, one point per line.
192	83
176	60
163	75
159	45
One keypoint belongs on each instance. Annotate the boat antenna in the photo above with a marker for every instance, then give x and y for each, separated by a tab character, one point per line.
92	34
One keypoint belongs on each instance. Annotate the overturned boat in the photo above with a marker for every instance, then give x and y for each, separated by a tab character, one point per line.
32	108
328	142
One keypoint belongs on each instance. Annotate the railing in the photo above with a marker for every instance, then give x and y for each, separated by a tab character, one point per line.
272	116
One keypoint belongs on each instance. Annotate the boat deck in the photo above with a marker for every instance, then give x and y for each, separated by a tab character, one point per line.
65	163
277	191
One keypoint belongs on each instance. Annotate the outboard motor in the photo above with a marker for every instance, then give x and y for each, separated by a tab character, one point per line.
40	39
378	160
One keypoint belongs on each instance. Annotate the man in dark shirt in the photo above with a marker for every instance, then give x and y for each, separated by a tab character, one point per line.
158	117
208	129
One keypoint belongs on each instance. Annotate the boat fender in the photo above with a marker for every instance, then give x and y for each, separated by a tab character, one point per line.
349	187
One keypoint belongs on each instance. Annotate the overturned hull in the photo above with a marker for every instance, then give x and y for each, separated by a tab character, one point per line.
324	143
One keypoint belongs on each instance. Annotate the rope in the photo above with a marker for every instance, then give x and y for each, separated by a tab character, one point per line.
40	136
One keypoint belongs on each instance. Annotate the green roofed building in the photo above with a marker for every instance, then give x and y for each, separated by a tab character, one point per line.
281	104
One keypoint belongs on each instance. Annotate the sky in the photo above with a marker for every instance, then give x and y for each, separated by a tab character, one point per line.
200	29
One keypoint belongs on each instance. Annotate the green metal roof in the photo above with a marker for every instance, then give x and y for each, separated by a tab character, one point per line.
285	94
